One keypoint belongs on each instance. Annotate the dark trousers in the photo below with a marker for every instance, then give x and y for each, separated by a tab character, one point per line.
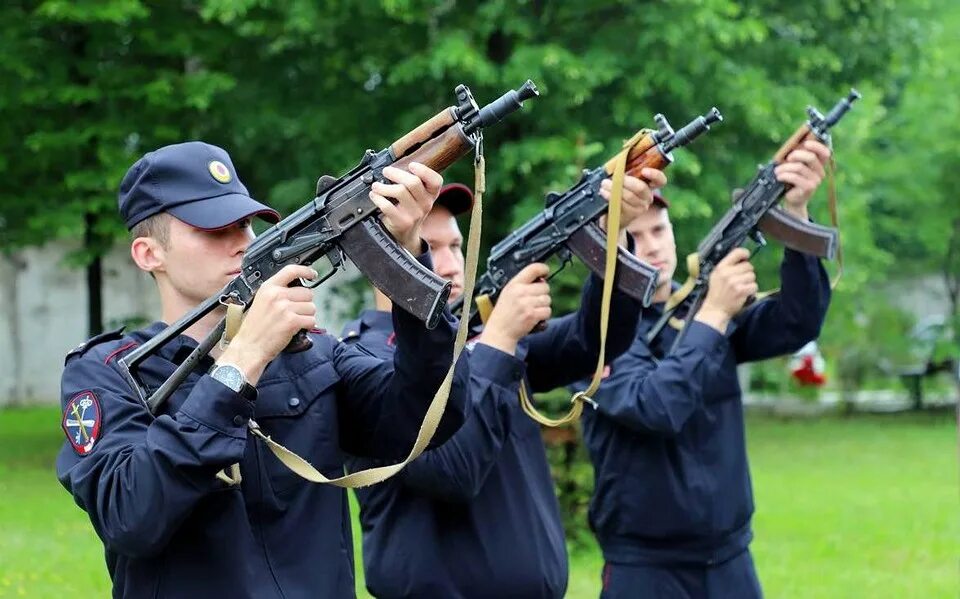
734	579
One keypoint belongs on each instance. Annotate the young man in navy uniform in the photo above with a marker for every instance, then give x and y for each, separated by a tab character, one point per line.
170	527
673	501
477	516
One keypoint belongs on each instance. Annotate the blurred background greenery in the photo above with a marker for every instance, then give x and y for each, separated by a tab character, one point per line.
294	89
298	88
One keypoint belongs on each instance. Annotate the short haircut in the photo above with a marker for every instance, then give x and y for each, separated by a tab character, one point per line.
156	226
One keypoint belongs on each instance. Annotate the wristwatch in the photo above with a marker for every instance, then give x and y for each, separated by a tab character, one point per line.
232	377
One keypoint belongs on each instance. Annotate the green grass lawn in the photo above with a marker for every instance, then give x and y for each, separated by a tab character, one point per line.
866	507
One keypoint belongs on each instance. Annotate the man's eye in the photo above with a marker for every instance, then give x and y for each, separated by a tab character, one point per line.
245	224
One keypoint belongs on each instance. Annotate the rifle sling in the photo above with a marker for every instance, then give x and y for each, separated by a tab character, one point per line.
834	217
613	224
431	420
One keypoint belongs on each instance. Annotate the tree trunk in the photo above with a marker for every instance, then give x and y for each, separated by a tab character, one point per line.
951	276
94	277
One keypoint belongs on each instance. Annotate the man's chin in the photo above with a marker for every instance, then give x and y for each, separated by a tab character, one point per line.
455	293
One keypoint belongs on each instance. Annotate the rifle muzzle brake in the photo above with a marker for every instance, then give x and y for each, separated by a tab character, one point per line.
693	129
509	102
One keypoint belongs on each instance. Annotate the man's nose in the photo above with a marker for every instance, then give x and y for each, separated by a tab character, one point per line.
643	246
241	238
444	263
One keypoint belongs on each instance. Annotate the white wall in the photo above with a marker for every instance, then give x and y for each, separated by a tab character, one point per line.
920	296
43	313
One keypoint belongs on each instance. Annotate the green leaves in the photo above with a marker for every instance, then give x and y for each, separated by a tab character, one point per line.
298	88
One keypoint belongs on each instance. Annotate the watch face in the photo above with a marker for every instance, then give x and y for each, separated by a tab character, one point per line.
229	376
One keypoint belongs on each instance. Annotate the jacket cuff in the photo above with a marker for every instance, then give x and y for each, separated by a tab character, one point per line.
216	406
496	366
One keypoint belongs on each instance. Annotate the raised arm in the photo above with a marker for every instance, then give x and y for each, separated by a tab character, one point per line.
383	401
568	348
788	320
457	469
648	396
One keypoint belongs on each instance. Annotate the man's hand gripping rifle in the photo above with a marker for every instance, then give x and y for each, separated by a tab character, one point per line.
755	212
341	221
568	225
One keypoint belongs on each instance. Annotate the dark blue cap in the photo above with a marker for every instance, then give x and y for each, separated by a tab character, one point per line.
193	181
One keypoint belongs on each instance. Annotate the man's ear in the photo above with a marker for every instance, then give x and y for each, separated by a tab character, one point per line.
148	254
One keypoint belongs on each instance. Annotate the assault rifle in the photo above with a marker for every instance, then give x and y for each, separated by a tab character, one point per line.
755	211
568	225
341	222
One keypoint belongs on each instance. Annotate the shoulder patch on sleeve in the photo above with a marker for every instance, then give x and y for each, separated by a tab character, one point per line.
81	421
96	340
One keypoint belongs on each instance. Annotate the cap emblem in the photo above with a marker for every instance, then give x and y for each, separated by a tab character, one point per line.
219	171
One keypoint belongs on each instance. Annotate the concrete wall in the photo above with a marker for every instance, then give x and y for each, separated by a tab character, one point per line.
43	307
43	313
920	296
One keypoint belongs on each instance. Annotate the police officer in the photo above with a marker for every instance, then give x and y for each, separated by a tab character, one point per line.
672	502
170	527
477	516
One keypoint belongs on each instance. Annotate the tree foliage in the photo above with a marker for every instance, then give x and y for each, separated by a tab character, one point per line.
298	88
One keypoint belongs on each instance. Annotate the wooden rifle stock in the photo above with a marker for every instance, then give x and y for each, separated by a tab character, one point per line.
424	132
440	151
652	158
636	153
802	134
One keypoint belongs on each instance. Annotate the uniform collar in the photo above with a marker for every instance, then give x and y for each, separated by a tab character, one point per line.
176	350
653	312
376	320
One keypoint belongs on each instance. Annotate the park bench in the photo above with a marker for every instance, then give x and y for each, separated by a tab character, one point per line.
923	342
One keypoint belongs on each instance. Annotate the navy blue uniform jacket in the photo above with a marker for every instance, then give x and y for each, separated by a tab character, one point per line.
672	485
171	529
477	516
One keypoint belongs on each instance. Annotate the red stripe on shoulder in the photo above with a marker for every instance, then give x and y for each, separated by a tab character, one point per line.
114	353
319	331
